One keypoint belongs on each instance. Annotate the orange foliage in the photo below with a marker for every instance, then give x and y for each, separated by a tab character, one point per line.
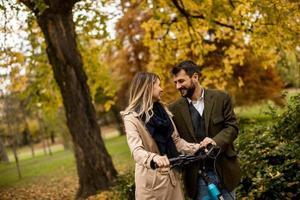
259	83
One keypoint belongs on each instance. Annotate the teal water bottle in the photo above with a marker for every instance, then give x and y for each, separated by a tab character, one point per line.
214	192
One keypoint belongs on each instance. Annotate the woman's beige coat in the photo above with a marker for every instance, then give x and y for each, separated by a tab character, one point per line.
153	184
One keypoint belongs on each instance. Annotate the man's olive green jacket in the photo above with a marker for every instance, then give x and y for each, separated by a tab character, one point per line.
221	126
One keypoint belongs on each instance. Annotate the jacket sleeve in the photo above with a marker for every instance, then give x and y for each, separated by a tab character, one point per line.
138	152
230	131
182	145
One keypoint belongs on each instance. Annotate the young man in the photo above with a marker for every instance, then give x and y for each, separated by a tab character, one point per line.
206	116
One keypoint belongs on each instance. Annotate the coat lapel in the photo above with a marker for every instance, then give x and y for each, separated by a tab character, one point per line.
185	113
208	105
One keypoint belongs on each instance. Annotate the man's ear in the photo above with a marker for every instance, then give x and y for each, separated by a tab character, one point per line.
195	76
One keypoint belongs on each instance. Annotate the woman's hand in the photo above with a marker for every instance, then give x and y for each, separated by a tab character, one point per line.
161	161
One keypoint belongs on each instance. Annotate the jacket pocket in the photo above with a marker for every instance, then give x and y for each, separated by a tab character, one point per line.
161	181
150	177
218	119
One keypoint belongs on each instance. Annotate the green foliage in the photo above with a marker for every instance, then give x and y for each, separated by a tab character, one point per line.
93	42
125	187
90	18
288	125
270	156
289	67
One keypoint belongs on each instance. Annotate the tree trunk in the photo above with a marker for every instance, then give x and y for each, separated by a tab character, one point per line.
48	144
42	133
44	144
27	137
12	122
94	165
119	121
31	145
14	147
27	130
52	137
45	135
3	153
15	132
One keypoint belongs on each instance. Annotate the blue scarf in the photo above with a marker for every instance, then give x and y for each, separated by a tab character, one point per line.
161	129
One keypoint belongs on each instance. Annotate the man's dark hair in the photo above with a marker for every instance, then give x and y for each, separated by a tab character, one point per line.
188	66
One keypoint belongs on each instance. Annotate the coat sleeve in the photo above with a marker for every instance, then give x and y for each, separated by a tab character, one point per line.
182	145
230	131
138	152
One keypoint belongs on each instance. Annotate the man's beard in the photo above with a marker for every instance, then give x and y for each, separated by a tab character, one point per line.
189	91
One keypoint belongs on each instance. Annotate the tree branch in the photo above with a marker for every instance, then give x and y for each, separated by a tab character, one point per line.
31	5
57	6
187	15
231	3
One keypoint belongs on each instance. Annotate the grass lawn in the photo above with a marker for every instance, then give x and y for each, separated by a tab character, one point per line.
61	163
118	149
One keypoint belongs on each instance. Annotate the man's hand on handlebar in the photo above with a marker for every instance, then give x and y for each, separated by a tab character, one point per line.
206	141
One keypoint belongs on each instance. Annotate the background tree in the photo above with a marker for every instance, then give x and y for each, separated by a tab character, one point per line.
249	81
196	30
12	120
94	165
94	41
27	135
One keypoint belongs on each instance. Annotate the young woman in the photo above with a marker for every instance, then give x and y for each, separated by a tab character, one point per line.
153	139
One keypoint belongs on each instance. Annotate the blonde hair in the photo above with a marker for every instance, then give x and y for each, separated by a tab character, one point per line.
141	94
